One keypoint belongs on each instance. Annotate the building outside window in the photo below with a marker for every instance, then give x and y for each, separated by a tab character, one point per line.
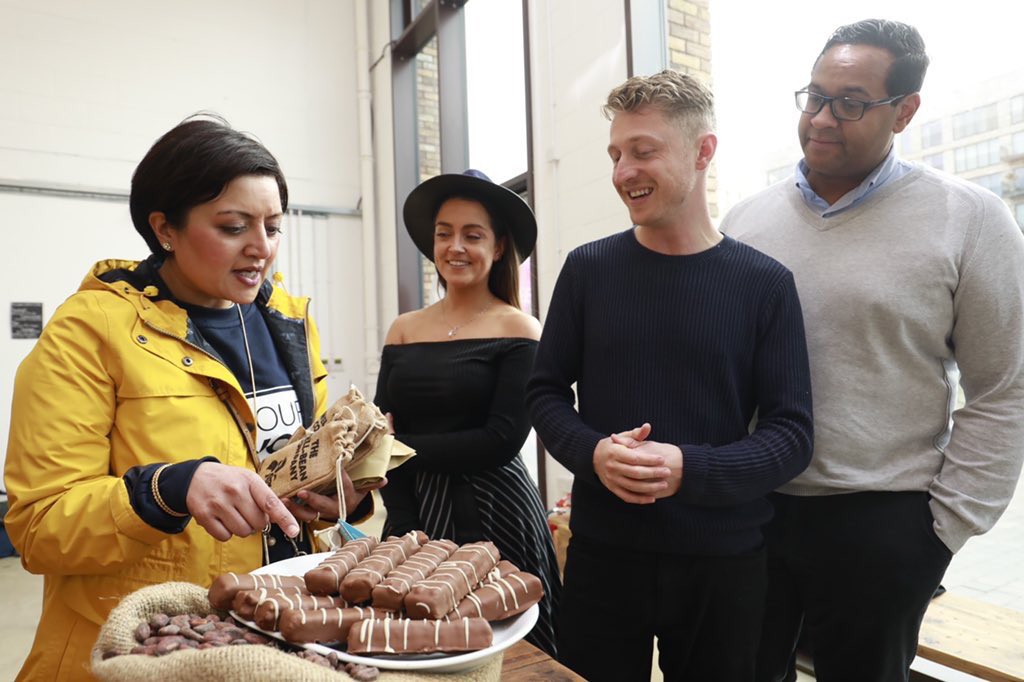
1017	109
1018	143
1015	181
992	182
975	121
977	155
934	160
780	173
931	134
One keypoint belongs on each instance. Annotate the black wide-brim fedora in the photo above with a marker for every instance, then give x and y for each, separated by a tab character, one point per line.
511	211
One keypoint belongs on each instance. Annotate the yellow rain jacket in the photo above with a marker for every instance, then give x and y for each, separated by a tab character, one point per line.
119	380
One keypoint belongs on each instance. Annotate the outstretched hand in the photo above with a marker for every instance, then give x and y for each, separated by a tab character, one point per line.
229	500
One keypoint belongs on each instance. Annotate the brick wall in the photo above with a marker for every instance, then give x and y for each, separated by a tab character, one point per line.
689	51
428	142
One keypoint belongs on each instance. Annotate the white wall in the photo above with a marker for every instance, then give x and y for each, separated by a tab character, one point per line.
578	56
87	87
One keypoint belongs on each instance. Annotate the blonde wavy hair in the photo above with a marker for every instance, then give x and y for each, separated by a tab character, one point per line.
681	97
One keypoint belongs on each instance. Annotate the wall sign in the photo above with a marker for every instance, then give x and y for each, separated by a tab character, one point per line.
26	320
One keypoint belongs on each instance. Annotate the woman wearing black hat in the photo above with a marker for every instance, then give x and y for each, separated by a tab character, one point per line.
453	378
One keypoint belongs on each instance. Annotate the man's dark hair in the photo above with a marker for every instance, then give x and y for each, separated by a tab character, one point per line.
191	165
904	43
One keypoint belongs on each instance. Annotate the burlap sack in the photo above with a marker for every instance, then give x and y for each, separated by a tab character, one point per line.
359	438
252	663
310	463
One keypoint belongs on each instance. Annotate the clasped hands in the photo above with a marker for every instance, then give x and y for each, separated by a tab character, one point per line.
229	500
637	470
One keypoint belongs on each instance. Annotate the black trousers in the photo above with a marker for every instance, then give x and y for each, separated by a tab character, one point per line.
856	573
705	611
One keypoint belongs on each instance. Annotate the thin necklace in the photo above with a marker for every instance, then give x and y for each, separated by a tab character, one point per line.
256	443
252	378
455	329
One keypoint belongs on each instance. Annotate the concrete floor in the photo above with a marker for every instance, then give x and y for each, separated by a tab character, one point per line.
22	598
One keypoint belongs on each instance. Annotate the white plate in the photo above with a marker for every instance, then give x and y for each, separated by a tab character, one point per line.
506	632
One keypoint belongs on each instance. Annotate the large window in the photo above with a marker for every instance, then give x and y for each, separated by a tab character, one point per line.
496	88
428	78
460	91
975	121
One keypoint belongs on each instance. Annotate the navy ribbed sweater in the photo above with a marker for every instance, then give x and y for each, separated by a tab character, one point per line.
695	345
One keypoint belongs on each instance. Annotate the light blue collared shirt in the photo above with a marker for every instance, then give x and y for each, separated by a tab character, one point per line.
890	169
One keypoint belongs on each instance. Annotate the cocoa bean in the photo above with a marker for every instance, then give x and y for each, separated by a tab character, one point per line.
192	635
167	646
168	630
181	620
203	628
361	673
143	632
254	638
158	620
217	636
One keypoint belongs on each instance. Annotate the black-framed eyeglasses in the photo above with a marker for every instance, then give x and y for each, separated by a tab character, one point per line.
843	108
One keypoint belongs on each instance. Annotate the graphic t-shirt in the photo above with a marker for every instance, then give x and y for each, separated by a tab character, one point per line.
277	407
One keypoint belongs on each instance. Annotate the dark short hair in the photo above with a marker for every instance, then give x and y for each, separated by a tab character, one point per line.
192	164
902	41
503	281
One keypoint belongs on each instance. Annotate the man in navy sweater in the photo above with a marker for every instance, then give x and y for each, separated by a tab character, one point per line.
688	354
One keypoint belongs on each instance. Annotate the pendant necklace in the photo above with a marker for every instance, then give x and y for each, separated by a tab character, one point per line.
455	329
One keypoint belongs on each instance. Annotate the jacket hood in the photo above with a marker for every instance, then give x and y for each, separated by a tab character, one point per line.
133	279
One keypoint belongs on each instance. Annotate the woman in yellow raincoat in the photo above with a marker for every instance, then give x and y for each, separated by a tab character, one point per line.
141	414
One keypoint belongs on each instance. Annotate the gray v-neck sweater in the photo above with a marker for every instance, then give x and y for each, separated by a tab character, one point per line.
918	287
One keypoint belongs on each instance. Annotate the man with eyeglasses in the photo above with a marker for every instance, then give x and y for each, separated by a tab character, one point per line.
911	282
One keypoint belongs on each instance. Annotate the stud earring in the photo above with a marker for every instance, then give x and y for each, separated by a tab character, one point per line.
167	246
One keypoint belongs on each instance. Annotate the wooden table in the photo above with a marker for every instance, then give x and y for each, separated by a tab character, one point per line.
524	661
977	638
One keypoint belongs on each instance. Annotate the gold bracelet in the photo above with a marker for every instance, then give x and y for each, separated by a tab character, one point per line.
155	488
